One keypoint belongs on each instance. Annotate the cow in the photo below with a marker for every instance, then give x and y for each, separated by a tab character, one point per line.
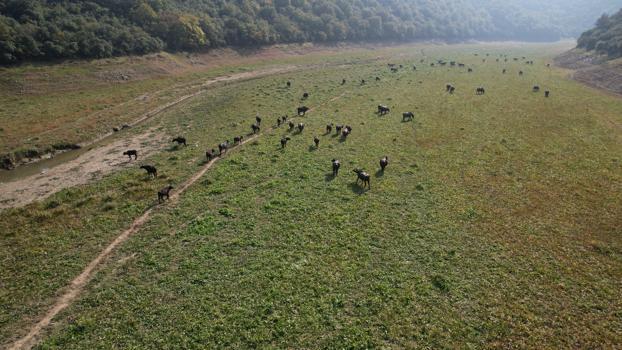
408	116
480	91
284	141
222	148
210	154
180	140
302	110
316	141
258	120
255	128
131	152
289	83
336	165
384	162
363	177
305	95
164	194
301	127
238	139
536	88
151	170
382	110
547	93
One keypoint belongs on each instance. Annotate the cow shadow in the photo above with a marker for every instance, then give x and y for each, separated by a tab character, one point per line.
379	173
312	148
357	189
328	177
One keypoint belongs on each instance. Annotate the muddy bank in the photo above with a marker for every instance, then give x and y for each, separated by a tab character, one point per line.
90	166
593	70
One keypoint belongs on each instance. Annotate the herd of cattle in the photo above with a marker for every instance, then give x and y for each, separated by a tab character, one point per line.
343	130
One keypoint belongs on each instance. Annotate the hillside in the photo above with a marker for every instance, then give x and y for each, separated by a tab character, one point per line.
48	30
605	38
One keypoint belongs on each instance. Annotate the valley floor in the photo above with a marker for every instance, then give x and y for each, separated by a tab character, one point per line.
496	224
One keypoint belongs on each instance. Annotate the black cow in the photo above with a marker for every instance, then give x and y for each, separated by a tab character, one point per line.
131	152
343	82
408	116
305	95
210	154
382	110
284	141
547	93
480	91
363	177
303	110
338	129
289	83
180	140
222	148
151	170
316	141
329	128
384	162
255	128
164	193
291	125
377	78
536	88
336	165
258	120
301	127
238	139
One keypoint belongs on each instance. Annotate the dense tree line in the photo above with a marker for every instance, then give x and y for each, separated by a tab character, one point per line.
606	37
51	29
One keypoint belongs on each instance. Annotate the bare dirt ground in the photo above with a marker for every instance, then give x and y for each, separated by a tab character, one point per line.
90	166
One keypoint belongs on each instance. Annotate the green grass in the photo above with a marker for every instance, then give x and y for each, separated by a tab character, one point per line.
496	225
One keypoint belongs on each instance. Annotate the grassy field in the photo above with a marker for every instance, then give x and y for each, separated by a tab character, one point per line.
496	225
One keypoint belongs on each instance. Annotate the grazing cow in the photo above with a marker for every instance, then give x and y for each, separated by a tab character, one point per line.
504	71
384	162
408	116
222	148
377	78
447	87
480	91
461	65
130	153
536	88
452	90
303	110
338	129
346	132
258	120
362	81
125	126
431	64
547	93
180	140
394	70
305	95
151	170
238	139
329	128
452	63
391	64
255	128
470	70
301	127
548	65
363	177
284	141
497	60
343	82
520	73
164	194
284	118
278	121
336	165
316	141
382	110
115	129
401	66
291	125
210	154
289	83
414	67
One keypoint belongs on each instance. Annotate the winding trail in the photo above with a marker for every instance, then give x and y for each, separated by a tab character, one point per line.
75	288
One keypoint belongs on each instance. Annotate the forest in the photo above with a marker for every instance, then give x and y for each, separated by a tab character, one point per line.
606	37
57	29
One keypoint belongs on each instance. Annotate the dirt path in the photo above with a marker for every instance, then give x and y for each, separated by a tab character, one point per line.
73	291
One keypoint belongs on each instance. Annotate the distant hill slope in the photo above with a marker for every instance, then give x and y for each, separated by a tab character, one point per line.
605	38
53	29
